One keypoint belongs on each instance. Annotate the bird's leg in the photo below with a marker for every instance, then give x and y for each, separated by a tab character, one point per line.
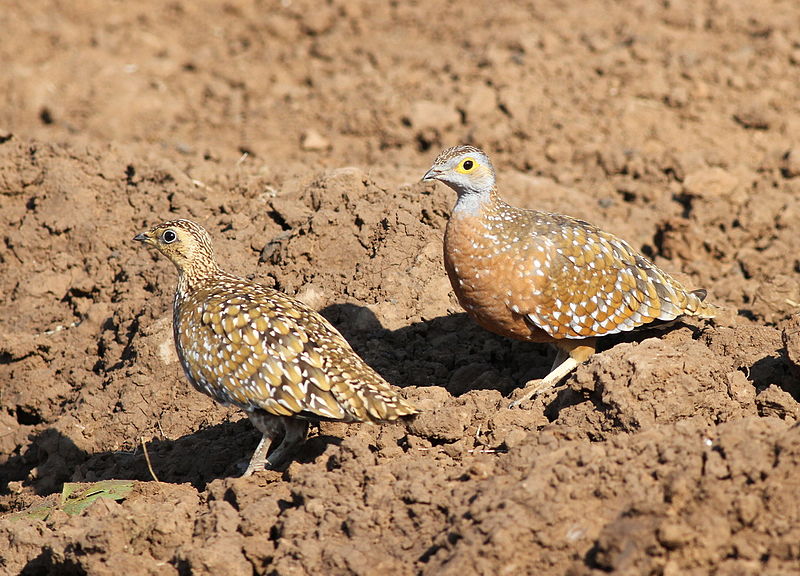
294	434
271	427
289	432
571	353
259	459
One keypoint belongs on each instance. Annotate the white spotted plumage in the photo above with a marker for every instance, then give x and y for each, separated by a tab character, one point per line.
255	348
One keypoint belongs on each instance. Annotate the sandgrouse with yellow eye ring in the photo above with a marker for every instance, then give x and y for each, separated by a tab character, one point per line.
258	349
544	277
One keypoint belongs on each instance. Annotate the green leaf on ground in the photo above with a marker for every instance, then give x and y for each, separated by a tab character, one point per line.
75	498
35	512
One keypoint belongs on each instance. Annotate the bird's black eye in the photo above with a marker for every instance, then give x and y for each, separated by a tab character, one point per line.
467	165
169	236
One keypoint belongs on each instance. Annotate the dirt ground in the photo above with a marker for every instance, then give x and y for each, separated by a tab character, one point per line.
297	132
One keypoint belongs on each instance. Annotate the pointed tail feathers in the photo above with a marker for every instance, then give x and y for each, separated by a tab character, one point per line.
697	306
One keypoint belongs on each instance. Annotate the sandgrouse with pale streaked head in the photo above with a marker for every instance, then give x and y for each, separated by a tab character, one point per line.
258	349
544	277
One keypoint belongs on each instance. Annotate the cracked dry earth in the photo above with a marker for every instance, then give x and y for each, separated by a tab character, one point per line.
297	132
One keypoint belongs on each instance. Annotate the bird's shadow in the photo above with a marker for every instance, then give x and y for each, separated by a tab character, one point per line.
217	451
450	351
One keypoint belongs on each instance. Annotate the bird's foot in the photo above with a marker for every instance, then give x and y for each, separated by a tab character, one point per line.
533	388
254	466
561	368
250	468
258	462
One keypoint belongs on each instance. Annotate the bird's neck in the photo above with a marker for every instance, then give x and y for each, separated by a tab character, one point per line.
193	275
476	204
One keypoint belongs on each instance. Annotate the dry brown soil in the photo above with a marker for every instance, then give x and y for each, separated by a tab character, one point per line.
297	132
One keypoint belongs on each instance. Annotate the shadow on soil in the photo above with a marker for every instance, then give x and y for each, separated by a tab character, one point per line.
448	351
214	452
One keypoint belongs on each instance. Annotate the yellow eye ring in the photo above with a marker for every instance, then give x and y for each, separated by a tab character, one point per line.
467	165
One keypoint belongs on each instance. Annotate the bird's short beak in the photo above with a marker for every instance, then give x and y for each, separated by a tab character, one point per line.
432	174
143	237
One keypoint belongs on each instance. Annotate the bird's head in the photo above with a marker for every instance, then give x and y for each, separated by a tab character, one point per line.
465	169
185	243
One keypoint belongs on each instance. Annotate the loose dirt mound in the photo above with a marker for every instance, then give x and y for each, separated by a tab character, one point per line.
297	133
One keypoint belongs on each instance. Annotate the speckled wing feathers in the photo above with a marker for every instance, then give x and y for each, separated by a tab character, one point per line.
540	276
597	284
248	345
